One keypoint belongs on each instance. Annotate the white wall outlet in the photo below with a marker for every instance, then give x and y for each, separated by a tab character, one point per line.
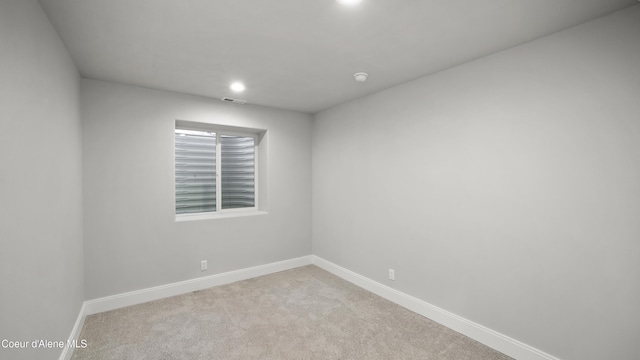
392	274
203	265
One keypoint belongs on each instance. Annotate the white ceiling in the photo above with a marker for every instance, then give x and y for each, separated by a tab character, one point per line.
298	54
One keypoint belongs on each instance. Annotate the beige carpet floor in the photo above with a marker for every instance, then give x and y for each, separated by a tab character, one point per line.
304	313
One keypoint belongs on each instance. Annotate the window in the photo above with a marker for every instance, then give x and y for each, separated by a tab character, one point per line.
215	171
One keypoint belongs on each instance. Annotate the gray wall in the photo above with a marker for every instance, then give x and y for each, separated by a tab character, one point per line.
505	190
41	278
132	241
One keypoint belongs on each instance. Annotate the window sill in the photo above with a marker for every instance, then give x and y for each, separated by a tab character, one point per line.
213	216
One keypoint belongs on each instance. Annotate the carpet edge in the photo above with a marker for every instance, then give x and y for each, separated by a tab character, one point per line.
182	287
491	338
67	351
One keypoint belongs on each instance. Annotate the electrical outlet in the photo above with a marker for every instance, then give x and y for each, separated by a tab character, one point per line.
392	274
203	265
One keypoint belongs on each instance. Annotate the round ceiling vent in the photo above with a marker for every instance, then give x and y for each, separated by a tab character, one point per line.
361	76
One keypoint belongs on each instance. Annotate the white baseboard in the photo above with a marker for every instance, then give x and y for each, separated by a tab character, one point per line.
140	296
482	334
159	292
75	334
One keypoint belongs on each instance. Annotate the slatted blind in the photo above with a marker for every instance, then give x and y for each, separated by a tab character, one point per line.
238	171
195	171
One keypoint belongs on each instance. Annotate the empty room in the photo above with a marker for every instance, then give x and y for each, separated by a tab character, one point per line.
320	179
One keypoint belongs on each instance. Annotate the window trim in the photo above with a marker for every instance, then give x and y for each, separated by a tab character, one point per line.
221	130
214	215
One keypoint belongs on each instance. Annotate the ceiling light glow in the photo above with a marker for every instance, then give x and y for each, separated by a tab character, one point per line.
237	86
349	2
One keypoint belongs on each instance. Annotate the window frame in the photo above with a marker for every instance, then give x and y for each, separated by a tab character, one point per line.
221	130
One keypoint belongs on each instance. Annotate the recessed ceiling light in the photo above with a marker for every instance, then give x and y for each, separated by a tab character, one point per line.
237	86
349	2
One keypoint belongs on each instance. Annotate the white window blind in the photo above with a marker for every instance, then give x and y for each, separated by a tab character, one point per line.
238	171
195	171
214	171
